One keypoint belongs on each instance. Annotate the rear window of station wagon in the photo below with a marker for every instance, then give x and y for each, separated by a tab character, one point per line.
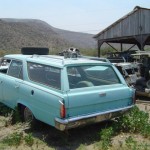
92	75
44	74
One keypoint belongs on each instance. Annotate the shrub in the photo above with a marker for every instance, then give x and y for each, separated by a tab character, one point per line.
13	116
14	139
29	139
82	147
106	135
135	121
146	131
4	110
131	143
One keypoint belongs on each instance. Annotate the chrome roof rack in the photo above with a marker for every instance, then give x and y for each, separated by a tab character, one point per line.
48	56
71	53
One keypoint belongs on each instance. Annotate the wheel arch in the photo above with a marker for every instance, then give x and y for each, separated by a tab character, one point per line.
21	104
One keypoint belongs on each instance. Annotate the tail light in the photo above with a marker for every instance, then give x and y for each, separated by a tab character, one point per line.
133	93
134	98
62	110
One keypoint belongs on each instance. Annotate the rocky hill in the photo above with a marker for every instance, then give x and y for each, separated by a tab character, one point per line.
81	40
18	33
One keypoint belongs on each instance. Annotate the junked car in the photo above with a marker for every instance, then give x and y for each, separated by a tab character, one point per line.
142	85
64	92
95	58
129	71
124	56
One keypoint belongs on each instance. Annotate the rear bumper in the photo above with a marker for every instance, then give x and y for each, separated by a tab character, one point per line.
65	124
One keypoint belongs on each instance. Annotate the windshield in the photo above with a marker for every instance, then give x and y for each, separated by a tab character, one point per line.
93	75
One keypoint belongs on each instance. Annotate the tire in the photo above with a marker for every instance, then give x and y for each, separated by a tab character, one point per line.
28	116
148	84
34	50
141	82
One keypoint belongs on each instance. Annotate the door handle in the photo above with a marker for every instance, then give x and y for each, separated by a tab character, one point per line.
102	94
32	92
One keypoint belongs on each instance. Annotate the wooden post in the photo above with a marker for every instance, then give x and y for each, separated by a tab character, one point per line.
112	46
121	46
99	47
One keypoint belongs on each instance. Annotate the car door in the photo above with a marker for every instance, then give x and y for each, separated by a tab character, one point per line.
11	83
3	71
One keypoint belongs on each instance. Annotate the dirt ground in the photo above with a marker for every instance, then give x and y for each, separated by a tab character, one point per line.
48	138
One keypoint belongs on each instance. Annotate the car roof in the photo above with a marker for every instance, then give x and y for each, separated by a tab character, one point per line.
54	60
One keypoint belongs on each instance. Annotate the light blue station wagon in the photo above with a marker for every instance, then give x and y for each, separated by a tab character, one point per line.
63	92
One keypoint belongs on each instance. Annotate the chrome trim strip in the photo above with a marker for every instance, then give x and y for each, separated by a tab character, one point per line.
61	102
66	121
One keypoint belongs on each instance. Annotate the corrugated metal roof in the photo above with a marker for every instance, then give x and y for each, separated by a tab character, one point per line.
136	9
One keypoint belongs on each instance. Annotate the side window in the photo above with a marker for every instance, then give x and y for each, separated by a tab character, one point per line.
15	69
44	74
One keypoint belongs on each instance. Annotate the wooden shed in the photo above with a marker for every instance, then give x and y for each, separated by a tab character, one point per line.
133	28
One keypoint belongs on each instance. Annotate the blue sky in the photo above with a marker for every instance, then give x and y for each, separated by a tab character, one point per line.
90	16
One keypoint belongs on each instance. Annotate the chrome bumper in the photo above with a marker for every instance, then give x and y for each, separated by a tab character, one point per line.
64	124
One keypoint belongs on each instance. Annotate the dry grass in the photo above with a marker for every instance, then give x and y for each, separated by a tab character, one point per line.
86	138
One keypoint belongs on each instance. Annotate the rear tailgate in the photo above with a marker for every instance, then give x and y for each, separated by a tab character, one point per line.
90	100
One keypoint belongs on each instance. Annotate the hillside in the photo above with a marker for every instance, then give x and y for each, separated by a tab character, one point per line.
18	33
82	40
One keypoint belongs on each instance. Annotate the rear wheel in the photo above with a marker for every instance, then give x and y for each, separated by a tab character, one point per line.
28	116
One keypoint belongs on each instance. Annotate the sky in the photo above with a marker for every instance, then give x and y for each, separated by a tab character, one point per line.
88	16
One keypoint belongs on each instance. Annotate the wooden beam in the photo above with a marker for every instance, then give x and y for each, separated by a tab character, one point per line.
112	46
131	47
121	47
